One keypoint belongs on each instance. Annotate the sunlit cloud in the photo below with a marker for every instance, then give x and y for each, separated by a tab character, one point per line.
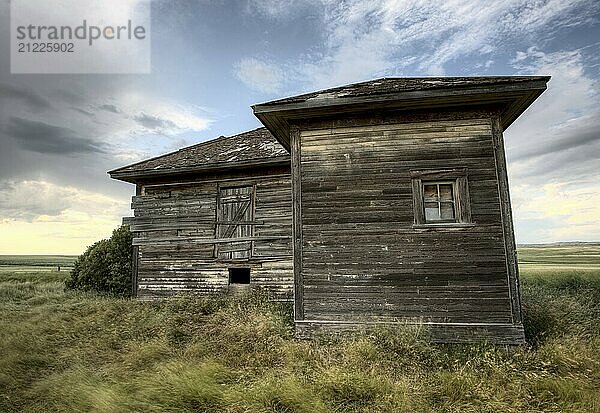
573	211
41	217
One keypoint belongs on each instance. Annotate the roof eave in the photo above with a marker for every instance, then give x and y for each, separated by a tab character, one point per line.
514	98
137	176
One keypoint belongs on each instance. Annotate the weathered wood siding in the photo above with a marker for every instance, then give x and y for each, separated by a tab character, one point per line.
361	258
183	247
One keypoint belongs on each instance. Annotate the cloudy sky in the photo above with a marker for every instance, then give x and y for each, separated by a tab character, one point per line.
211	60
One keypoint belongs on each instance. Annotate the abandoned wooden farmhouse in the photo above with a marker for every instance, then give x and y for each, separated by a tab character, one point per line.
377	202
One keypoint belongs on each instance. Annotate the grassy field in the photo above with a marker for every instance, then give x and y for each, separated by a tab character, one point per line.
73	352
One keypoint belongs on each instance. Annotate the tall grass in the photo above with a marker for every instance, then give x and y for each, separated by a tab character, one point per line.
73	352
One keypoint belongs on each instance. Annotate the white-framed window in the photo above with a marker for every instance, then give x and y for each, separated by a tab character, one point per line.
441	197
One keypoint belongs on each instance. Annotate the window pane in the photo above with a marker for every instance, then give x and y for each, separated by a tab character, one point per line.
447	210
432	211
430	193
446	192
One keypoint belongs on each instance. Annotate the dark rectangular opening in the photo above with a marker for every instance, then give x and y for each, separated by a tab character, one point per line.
239	276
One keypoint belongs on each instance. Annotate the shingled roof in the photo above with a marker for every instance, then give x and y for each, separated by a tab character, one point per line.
387	85
254	147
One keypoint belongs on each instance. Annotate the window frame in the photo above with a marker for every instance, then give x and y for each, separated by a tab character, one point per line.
460	193
439	202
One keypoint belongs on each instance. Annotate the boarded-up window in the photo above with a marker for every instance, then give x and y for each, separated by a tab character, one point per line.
441	197
235	221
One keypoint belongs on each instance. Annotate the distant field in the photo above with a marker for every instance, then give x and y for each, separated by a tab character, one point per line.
549	265
565	256
15	266
38	260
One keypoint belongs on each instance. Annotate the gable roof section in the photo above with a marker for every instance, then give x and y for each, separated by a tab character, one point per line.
253	148
513	93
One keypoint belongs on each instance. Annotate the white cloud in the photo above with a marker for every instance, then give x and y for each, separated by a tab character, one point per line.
570	212
33	200
366	39
137	125
138	113
554	151
258	75
564	118
41	217
28	200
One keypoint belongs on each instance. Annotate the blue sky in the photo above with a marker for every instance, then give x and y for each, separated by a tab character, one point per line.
212	59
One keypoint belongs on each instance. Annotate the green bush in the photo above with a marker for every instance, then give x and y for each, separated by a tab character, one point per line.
105	266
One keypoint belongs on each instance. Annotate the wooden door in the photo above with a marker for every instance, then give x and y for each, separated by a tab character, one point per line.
234	221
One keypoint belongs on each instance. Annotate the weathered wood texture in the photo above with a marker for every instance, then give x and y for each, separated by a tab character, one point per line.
437	332
189	235
362	257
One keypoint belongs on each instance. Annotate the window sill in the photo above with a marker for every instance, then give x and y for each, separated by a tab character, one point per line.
444	225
